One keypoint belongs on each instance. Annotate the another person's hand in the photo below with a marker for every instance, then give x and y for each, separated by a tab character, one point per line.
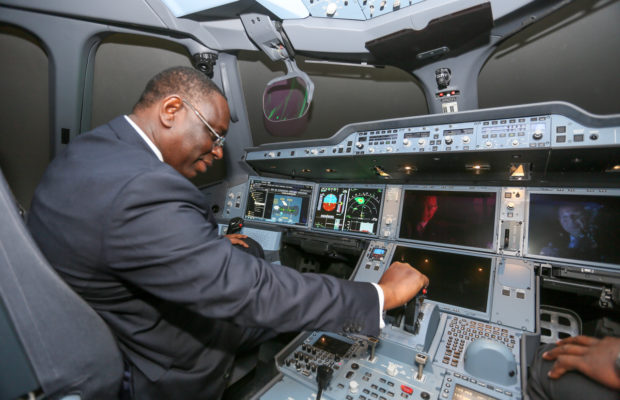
235	238
400	283
595	358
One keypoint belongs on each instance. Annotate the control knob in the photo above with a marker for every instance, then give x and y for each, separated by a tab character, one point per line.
392	370
488	143
389	149
537	135
465	139
353	386
359	145
406	142
314	151
449	140
331	9
271	154
510	206
371	149
515	142
421	142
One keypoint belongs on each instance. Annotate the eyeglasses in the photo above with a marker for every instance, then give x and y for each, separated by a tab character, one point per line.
219	139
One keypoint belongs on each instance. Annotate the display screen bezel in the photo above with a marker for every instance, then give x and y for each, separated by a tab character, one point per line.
563	195
453	308
458	189
347	186
309	214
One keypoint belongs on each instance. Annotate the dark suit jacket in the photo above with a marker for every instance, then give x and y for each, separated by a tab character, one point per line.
138	241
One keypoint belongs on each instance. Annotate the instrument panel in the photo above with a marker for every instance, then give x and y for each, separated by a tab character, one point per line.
414	190
577	225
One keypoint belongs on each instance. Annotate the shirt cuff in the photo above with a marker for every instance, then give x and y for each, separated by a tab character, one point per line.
381	302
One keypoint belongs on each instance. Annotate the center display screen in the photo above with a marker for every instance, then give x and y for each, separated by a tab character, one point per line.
449	217
455	279
278	202
348	209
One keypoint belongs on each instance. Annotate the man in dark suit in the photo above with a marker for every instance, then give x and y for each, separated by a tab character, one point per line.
117	218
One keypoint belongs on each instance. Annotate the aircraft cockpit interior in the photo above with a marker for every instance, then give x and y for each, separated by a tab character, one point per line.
362	133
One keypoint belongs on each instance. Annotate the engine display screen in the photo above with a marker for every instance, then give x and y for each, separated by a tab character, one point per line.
349	209
278	202
449	217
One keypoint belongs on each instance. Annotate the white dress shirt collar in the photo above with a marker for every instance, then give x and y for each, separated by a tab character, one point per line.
146	139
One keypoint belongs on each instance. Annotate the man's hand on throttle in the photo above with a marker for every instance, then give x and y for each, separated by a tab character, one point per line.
400	283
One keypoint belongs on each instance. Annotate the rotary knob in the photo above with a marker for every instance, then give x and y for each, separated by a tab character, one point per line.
421	142
449	140
537	135
359	145
331	9
392	370
488	143
406	142
353	386
465	139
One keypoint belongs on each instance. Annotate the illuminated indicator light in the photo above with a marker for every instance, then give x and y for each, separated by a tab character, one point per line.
406	389
616	168
479	269
477	167
360	200
453	92
440	94
424	291
426	260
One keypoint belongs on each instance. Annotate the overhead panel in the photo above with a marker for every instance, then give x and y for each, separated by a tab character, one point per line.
355	9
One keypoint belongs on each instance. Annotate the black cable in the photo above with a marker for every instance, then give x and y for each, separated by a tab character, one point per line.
323	376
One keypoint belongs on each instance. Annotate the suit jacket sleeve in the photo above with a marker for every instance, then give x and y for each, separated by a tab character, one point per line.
161	237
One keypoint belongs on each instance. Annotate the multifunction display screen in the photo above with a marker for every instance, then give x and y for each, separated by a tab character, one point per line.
348	209
575	227
449	217
455	279
278	202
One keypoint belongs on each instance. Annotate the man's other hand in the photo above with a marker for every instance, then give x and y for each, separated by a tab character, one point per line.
595	358
400	283
235	238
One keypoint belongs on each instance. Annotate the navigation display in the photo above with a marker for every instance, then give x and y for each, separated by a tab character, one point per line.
278	202
455	279
348	209
574	226
462	218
